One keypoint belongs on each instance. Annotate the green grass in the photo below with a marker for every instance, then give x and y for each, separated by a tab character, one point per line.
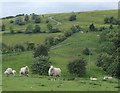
10	39
60	55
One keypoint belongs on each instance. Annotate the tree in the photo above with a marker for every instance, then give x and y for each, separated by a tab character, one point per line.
92	27
29	29
11	21
72	17
111	26
37	29
26	18
49	26
37	19
87	51
3	27
77	67
19	21
11	30
41	65
40	50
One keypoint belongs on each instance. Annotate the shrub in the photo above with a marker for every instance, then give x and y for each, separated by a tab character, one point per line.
11	21
19	21
11	30
37	29
40	50
30	46
41	65
72	17
19	48
3	27
68	33
29	29
77	67
92	27
87	51
26	18
55	30
37	19
111	26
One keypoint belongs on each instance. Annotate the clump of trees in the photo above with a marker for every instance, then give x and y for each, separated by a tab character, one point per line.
77	67
92	27
111	20
19	21
109	51
41	62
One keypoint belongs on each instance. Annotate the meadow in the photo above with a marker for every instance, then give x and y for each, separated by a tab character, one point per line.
60	55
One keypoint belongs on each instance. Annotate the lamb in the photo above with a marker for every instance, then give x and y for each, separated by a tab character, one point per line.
93	78
107	78
54	71
9	72
24	71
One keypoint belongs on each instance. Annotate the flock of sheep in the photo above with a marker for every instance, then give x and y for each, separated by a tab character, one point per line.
53	71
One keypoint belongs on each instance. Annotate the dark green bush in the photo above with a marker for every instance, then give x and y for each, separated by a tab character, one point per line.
77	67
41	65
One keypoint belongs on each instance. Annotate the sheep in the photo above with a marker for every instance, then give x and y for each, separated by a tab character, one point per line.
9	71
107	78
13	72
24	71
93	78
54	71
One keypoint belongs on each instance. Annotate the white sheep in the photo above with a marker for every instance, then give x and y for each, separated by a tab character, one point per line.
24	71
54	71
107	78
9	71
93	78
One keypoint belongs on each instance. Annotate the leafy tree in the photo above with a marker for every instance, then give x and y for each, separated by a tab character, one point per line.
29	29
3	27
72	17
40	50
26	18
19	21
49	26
37	19
87	51
37	29
111	26
41	65
92	27
77	67
12	30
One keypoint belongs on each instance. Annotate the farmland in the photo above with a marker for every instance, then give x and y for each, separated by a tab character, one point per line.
60	55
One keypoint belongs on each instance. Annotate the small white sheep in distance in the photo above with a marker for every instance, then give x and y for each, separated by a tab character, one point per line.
24	71
107	78
53	71
93	78
9	71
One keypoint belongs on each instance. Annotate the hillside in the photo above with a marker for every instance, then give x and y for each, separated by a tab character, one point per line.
60	54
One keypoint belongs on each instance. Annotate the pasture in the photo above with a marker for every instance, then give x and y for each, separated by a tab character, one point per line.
60	55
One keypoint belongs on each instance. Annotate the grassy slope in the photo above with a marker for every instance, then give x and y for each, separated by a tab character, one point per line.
60	55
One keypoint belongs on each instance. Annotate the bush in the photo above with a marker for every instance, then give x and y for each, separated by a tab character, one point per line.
40	50
55	30
87	51
30	46
26	18
72	18
19	21
37	19
77	67
3	27
11	21
41	65
29	29
92	27
37	29
19	48
68	33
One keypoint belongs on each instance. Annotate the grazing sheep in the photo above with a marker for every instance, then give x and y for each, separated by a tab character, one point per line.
93	78
9	71
13	72
24	71
107	78
54	71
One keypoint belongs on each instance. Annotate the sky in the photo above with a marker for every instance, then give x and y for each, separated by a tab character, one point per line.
14	7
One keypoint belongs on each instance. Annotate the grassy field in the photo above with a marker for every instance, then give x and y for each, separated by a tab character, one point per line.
60	55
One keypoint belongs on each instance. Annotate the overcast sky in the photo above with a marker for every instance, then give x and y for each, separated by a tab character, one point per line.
13	7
